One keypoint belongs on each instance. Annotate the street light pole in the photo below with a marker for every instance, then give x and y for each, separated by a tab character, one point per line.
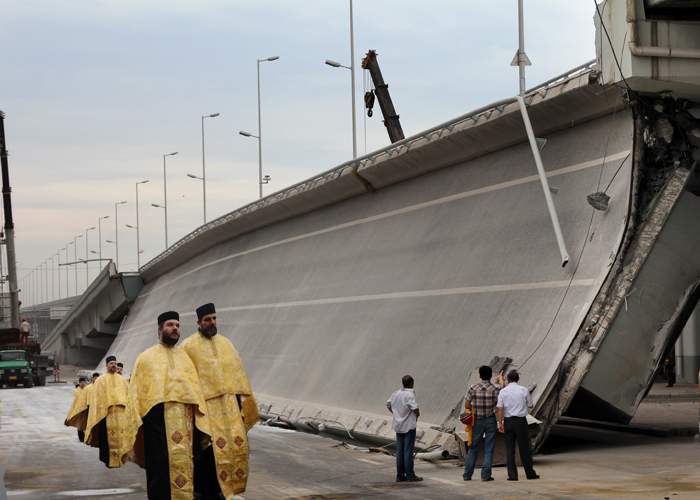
335	64
116	232
75	255
87	256
58	271
99	236
352	84
46	280
204	170
260	175
138	226
165	196
67	280
42	272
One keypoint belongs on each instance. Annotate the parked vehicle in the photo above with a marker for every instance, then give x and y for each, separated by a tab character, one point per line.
21	360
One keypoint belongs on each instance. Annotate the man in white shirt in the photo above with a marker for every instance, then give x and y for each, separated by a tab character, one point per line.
511	411
404	409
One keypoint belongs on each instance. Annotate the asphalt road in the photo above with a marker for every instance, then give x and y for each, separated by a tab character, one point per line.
42	459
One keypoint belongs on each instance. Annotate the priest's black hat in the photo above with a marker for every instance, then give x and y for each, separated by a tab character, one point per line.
120	365
110	358
163	317
204	310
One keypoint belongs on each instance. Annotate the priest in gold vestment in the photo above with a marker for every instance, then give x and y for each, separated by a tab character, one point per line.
168	425
231	407
78	413
106	421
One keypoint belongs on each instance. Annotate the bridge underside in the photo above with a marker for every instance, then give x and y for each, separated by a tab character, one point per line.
85	333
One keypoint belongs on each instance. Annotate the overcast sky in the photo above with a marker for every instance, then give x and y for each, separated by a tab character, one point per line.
96	91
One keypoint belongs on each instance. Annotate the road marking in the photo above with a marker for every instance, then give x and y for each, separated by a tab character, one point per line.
368	461
447	481
401	211
468	290
440	292
88	493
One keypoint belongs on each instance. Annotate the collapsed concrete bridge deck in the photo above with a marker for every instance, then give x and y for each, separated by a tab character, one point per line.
436	255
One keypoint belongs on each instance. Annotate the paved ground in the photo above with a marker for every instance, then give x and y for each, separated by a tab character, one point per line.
42	459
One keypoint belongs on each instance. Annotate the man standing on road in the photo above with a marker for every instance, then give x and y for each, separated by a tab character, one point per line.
77	415
25	328
404	409
512	408
482	397
231	408
106	423
167	415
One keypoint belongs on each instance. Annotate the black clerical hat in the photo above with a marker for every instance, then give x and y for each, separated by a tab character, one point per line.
163	317
120	365
204	310
110	358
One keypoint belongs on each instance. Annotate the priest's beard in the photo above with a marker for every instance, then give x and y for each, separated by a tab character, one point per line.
208	332
169	340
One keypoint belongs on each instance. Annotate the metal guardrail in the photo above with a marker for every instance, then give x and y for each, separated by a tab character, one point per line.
387	151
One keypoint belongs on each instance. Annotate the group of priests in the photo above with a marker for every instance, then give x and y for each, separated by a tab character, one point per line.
184	415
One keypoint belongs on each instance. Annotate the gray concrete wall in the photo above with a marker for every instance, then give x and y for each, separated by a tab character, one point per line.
432	276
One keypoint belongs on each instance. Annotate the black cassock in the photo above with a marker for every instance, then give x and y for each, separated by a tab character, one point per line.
155	444
103	442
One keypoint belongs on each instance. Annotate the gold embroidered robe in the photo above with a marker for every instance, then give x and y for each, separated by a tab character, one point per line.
166	375
107	400
225	384
77	415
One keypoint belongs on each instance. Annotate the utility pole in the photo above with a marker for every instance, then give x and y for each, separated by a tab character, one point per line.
521	60
9	228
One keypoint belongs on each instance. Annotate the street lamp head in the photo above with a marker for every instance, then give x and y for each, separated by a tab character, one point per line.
245	134
143	182
213	115
105	217
156	205
120	202
90	228
109	241
170	154
130	226
273	58
192	176
335	64
92	251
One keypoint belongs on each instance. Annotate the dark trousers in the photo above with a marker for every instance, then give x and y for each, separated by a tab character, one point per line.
155	447
206	484
516	432
102	440
405	441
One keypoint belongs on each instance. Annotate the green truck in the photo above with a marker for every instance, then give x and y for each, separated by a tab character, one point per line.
21	361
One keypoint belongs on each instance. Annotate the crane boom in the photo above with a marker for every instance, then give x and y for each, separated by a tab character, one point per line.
391	119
